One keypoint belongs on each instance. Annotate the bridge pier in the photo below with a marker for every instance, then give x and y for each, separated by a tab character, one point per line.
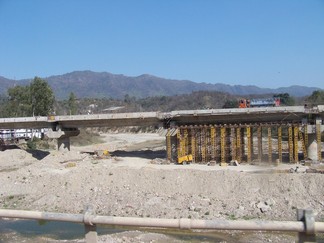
63	137
312	134
312	147
223	143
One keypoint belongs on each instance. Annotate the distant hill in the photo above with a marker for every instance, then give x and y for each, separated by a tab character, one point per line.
88	84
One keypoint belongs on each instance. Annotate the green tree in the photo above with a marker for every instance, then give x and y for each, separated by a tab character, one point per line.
42	97
285	99
18	102
231	104
72	104
316	98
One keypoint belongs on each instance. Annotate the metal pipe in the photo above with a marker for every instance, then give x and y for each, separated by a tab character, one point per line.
217	224
75	218
203	224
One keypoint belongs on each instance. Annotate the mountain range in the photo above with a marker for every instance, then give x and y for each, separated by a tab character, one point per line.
88	84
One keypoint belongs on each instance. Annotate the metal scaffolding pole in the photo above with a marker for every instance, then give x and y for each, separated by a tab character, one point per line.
290	144
233	143
259	134
239	144
280	143
223	143
186	140
203	145
301	138
249	144
213	142
318	140
193	144
169	145
269	145
296	143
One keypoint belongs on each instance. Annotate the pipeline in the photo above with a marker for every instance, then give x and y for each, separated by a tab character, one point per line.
182	223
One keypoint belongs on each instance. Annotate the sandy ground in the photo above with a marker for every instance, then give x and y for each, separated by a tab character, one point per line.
134	182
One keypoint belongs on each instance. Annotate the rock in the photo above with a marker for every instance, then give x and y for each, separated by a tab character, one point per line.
263	207
234	163
270	202
192	208
239	212
198	209
205	202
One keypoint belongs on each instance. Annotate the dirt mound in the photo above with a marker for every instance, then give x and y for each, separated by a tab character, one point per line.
126	185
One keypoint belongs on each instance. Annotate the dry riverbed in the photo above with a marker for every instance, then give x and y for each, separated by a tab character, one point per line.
135	182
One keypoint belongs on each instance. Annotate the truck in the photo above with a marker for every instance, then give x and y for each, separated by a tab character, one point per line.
12	136
186	159
263	102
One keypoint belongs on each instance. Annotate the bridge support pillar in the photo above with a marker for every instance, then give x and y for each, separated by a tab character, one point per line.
314	147
63	137
63	144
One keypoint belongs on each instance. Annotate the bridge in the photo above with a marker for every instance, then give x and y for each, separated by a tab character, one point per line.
209	135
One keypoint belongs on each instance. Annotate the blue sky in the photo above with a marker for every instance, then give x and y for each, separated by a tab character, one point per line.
252	42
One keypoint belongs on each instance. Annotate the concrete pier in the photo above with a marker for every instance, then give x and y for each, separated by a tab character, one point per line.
63	137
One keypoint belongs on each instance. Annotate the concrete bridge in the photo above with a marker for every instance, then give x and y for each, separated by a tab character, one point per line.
63	127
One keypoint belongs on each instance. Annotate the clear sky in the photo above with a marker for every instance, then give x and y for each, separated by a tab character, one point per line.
268	43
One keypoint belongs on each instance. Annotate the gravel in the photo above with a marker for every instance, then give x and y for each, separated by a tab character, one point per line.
133	185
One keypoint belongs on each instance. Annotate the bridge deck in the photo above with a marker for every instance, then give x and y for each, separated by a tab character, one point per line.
210	116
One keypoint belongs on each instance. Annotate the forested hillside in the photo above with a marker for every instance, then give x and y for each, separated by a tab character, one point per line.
88	84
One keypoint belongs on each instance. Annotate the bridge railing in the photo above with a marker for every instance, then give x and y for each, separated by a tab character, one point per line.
305	226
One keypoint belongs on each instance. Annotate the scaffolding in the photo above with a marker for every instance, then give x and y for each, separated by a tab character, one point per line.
242	142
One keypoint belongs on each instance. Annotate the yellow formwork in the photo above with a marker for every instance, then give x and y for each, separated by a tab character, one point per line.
318	140
296	149
169	145
305	135
223	143
290	144
206	143
213	142
186	141
183	143
280	143
259	134
193	144
301	138
249	144
233	143
179	145
203	145
269	145
238	144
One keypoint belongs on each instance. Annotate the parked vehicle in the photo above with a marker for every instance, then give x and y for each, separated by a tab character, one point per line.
10	136
266	102
185	159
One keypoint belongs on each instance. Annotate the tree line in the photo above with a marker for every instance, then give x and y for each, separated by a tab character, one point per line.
35	99
38	99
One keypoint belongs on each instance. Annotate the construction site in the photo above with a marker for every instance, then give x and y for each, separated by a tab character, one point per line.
263	169
241	143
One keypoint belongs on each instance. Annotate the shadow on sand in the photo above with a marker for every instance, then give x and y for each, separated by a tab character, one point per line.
38	154
146	154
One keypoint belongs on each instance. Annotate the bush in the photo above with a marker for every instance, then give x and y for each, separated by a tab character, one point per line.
37	143
31	144
86	137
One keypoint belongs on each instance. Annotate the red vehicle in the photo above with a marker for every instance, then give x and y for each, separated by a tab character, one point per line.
267	102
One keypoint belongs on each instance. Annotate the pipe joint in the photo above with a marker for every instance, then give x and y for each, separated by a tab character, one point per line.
88	216
185	223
